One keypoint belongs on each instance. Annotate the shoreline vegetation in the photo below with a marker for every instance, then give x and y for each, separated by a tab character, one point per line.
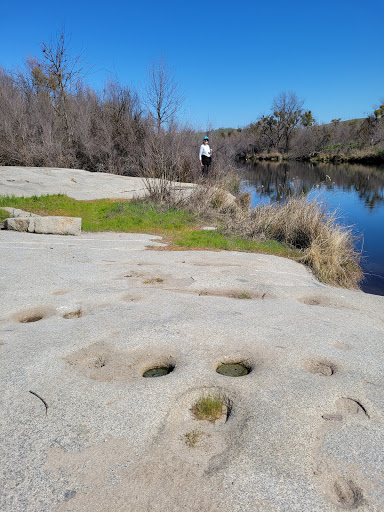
299	229
369	156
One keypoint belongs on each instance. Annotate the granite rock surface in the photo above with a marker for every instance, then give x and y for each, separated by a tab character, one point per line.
82	318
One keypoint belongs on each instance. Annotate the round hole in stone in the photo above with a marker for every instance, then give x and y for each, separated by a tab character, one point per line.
233	369
158	371
31	318
320	367
73	314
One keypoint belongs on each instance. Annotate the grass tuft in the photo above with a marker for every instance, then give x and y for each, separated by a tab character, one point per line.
153	280
243	295
192	438
209	408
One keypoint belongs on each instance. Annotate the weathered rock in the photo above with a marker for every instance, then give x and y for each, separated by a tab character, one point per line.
15	212
82	319
19	224
79	184
45	225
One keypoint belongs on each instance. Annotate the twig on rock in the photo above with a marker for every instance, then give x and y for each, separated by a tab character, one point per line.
42	399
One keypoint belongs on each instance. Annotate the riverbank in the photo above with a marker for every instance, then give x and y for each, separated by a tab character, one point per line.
298	229
370	156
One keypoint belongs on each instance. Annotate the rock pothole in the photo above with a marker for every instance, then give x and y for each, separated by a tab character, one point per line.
325	302
346	405
32	315
345	494
320	367
76	313
236	294
234	369
30	319
158	371
132	297
312	302
101	362
104	362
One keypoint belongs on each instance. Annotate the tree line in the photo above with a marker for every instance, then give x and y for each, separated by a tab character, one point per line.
290	131
51	117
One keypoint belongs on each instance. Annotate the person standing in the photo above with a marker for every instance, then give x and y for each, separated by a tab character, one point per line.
205	156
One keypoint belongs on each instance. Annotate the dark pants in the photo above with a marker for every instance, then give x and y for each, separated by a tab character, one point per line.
206	161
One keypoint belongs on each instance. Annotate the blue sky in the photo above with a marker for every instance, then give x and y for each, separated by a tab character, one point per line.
230	58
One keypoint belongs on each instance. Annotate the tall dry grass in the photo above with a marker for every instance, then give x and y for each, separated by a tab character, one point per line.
324	243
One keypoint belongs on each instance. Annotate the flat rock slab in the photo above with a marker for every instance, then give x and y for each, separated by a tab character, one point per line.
45	225
76	183
82	318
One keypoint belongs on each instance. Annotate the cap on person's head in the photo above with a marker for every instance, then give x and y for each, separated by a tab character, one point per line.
205	138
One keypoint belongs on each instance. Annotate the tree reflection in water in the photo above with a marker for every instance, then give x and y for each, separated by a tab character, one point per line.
278	181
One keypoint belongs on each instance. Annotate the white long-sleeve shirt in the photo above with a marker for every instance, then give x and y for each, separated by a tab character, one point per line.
204	150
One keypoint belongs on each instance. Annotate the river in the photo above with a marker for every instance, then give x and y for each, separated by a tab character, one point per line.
356	191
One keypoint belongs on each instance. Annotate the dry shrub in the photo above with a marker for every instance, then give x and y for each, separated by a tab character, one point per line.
326	246
323	244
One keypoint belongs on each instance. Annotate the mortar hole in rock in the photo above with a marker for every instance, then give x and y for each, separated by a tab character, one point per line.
31	318
238	369
322	368
158	371
73	314
345	494
100	362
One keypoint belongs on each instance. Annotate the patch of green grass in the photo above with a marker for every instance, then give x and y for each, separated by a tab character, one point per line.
106	215
209	408
153	280
215	240
180	227
3	215
243	295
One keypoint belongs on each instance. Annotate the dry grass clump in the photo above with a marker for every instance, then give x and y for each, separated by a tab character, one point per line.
325	246
209	408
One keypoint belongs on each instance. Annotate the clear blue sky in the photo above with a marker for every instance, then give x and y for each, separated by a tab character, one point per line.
230	58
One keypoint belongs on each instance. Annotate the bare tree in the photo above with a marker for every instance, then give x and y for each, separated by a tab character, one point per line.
287	109
162	93
59	73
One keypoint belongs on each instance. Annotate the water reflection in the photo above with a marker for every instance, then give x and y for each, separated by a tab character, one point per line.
357	191
277	181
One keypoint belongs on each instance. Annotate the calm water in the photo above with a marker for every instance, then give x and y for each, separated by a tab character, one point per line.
357	192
